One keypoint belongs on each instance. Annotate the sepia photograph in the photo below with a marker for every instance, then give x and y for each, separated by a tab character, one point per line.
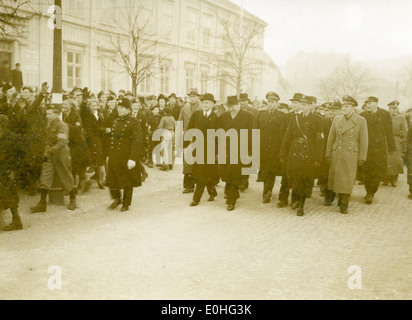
190	151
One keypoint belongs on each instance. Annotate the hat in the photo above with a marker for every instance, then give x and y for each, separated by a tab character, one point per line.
152	97
162	96
394	104
336	105
122	91
244	97
55	107
232	100
76	92
326	105
208	96
372	99
311	99
305	99
297	97
272	95
173	95
110	98
125	103
129	93
283	106
193	92
349	99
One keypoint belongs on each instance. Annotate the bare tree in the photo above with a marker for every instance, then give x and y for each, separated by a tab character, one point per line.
12	18
348	79
136	43
237	41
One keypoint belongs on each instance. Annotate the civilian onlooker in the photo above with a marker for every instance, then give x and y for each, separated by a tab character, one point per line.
167	123
153	122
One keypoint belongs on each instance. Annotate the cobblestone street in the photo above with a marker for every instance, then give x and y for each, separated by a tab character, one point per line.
164	249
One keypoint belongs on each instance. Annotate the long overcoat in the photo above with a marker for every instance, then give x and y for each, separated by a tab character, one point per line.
125	145
347	145
302	147
381	141
270	125
408	157
395	160
205	173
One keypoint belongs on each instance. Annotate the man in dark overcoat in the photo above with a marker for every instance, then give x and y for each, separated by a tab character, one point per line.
302	149
206	174
408	160
124	156
381	141
269	122
236	119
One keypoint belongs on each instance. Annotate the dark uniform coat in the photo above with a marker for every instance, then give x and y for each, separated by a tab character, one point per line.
244	120
381	141
94	132
125	145
408	157
77	142
270	125
206	173
302	152
347	145
9	162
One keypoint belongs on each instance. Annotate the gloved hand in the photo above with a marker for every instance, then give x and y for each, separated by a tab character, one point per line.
131	164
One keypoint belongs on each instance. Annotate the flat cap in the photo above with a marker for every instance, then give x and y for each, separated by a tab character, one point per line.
349	99
372	99
272	95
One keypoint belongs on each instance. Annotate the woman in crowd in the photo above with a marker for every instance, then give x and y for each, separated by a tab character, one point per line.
167	123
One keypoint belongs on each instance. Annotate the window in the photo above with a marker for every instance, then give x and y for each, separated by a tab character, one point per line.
204	78
192	21
74	69
164	77
75	7
207	30
190	76
167	18
107	72
5	52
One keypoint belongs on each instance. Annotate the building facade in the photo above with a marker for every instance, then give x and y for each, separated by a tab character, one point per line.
188	31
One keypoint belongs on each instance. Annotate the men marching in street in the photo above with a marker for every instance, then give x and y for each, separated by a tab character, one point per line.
408	159
269	123
205	174
381	142
302	151
346	150
237	119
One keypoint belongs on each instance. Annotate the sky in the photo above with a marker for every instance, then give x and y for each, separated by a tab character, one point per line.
368	29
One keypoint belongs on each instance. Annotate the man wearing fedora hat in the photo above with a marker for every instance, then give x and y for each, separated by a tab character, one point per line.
184	116
236	119
302	151
381	142
269	123
205	174
400	130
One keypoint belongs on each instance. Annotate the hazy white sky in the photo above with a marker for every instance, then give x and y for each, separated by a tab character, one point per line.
368	29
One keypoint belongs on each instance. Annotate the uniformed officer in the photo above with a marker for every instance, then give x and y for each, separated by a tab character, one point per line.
57	160
124	156
346	149
302	151
269	123
408	160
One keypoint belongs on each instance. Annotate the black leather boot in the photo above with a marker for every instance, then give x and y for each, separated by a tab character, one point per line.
72	205
16	222
42	205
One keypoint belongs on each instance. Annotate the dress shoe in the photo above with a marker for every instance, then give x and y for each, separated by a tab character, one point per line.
41	207
72	205
369	199
124	209
242	188
344	210
230	207
150	165
188	190
282	204
328	204
144	176
393	184
211	198
300	212
266	198
101	186
410	196
194	204
164	168
294	205
115	204
385	184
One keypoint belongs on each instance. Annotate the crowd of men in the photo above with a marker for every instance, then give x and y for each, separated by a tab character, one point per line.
110	136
